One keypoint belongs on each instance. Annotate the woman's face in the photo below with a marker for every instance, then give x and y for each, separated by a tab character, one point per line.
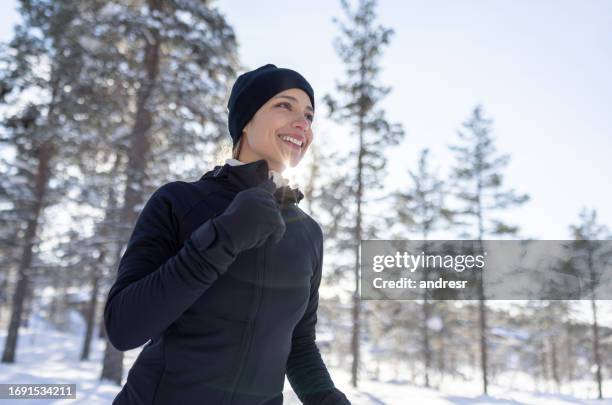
280	131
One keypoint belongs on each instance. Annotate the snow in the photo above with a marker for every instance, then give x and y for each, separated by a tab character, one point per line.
46	355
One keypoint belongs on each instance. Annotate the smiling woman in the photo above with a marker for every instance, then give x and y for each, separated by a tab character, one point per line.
222	274
280	129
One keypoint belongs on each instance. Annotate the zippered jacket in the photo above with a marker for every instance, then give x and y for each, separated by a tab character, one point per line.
220	280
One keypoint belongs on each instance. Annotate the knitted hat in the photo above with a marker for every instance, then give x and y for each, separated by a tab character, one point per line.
253	89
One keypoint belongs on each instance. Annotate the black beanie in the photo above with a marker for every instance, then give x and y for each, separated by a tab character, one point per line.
253	89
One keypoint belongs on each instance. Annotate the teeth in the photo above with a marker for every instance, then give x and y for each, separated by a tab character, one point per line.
290	139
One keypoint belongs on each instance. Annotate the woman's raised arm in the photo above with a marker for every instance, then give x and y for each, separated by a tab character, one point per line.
157	281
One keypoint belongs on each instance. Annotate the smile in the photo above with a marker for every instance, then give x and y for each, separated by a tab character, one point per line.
292	142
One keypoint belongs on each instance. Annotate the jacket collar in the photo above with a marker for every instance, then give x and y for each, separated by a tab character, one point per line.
277	177
247	175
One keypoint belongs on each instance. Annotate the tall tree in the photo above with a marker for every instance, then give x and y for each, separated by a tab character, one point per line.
360	49
477	185
60	106
34	72
420	210
590	259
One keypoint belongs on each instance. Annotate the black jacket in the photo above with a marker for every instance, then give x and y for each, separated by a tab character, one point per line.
224	326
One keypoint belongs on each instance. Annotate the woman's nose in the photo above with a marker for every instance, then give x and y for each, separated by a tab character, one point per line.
303	123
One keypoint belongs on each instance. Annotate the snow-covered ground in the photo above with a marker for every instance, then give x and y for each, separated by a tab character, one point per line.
45	355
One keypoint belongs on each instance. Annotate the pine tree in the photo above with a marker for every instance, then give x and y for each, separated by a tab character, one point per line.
589	258
32	78
421	210
477	185
360	48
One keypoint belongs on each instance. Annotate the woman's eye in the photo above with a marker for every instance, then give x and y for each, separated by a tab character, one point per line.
309	117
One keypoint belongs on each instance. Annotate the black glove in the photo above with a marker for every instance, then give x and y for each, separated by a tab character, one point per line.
251	218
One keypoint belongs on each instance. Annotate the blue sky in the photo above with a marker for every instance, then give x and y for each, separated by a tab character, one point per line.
539	68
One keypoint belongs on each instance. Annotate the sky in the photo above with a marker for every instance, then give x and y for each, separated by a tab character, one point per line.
540	69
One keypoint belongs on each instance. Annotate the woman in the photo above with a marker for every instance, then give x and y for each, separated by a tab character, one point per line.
222	274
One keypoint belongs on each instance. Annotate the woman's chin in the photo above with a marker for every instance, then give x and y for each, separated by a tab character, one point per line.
288	160
291	161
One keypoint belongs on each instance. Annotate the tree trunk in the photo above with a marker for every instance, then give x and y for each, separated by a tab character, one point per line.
425	331
91	310
356	333
483	338
569	352
102	329
11	339
473	334
596	354
138	152
356	301
44	156
112	365
555	365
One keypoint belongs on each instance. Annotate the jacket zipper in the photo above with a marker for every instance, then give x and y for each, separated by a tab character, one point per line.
251	322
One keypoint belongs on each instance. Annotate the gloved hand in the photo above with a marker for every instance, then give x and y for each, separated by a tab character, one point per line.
251	218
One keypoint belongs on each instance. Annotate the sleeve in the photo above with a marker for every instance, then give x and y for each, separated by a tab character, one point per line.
306	370
157	281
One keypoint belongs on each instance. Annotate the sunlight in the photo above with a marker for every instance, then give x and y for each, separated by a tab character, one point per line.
297	175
